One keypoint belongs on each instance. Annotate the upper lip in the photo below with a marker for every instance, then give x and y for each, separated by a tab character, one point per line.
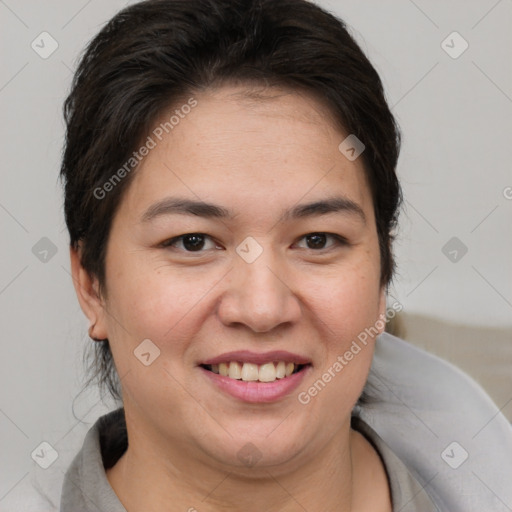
247	356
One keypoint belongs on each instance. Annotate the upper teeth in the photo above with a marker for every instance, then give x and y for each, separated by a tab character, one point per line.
267	372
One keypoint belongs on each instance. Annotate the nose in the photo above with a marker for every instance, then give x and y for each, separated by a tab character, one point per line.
259	295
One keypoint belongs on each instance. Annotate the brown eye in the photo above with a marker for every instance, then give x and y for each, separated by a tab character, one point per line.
317	241
190	242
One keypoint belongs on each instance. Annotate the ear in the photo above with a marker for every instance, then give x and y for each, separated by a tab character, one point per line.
89	297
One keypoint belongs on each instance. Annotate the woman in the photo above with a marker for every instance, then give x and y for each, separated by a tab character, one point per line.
231	196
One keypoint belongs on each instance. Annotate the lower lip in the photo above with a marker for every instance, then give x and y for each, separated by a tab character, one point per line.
257	392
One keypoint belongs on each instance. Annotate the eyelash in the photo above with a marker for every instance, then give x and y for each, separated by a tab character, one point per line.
340	241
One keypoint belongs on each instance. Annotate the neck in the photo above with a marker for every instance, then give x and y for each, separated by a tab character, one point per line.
345	474
144	479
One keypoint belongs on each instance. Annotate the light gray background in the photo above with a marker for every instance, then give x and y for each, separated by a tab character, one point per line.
455	167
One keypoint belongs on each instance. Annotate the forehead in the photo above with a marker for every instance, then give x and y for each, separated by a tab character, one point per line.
239	144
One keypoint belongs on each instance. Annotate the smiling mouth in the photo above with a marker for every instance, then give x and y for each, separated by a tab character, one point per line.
250	372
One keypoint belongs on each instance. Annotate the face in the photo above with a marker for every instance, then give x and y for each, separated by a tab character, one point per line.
256	277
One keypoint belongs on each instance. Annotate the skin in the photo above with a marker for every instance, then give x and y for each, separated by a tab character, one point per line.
257	158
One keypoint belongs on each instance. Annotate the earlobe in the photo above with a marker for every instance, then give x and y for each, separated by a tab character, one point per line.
89	296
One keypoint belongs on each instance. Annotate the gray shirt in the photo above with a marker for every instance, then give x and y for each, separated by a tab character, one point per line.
87	489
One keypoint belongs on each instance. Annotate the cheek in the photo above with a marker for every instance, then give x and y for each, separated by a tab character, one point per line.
165	305
347	316
346	307
145	306
346	301
145	296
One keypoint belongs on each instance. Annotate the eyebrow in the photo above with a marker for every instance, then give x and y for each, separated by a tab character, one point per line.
173	206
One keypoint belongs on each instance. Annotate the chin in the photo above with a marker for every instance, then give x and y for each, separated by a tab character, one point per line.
257	451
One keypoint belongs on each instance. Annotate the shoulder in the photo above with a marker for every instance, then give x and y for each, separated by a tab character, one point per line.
441	424
85	485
